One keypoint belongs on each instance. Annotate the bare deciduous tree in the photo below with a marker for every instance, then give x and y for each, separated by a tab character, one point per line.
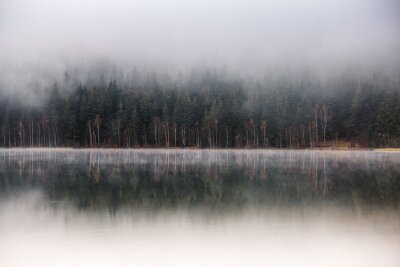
97	121
264	129
325	115
316	124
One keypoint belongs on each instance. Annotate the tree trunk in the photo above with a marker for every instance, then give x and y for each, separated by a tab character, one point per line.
118	134
247	137
227	138
155	133
316	127
216	135
90	134
264	139
209	137
175	135
165	135
183	132
98	134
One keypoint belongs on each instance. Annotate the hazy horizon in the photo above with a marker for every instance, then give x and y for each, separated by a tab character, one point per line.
41	40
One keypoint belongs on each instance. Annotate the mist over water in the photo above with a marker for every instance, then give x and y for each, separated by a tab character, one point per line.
245	74
199	207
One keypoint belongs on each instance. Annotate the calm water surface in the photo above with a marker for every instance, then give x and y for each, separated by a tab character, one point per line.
104	207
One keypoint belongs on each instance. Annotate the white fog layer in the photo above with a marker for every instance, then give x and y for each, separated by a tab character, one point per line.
40	40
175	207
34	235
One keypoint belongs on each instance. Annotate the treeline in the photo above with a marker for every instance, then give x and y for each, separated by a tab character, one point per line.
207	112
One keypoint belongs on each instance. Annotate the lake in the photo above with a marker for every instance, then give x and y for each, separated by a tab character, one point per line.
166	207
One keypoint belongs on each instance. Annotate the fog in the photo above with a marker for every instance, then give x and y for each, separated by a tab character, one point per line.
110	207
33	234
166	207
40	40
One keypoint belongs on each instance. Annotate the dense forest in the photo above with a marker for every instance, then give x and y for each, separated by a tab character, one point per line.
207	111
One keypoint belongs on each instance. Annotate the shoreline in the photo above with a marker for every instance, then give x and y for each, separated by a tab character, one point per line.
388	150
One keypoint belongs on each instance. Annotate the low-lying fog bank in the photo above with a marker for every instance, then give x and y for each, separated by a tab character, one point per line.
36	234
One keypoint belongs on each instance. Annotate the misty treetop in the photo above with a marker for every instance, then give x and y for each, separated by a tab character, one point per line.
207	111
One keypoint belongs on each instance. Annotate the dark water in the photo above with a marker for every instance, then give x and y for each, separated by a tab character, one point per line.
223	208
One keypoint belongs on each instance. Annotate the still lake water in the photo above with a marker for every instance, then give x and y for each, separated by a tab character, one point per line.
65	207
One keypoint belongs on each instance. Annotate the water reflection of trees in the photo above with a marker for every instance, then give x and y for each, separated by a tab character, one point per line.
201	178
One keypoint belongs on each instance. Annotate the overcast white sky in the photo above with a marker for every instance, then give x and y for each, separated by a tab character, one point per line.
244	35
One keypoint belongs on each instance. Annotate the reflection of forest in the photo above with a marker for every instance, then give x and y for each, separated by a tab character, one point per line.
201	178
